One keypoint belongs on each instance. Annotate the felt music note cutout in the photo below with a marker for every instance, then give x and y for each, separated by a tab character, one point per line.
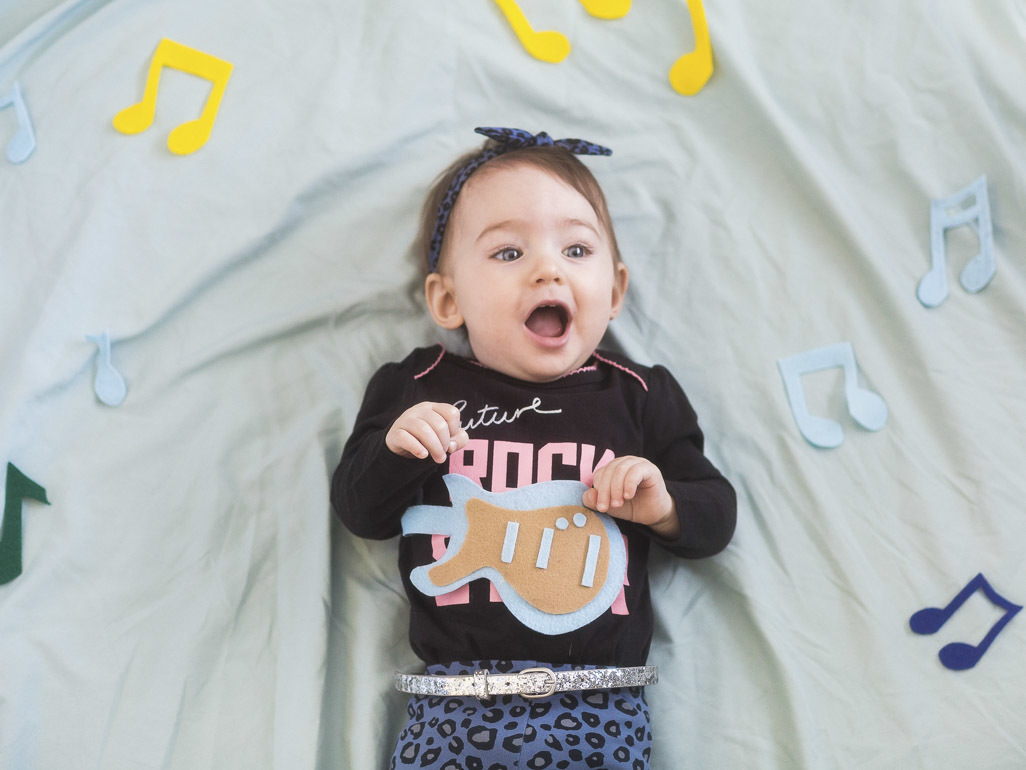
865	406
108	383
958	656
19	487
23	142
607	9
547	45
692	71
190	136
954	211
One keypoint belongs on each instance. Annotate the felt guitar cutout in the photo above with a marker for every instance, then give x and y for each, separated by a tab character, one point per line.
555	564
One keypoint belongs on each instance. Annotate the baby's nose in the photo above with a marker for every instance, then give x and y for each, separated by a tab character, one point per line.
548	269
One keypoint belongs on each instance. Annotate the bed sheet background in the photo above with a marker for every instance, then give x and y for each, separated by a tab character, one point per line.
187	599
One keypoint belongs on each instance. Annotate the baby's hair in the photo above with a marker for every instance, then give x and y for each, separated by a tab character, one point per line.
559	162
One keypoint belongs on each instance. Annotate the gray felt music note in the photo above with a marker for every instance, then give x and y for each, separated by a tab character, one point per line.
953	212
108	383
23	142
865	406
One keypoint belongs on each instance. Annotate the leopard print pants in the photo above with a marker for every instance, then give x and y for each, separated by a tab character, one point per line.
607	729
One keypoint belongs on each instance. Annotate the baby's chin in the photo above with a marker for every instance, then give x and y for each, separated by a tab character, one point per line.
531	371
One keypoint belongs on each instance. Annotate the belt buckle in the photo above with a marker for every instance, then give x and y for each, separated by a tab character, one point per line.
551	682
481	685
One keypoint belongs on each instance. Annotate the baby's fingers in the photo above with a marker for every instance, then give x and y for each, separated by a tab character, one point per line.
458	441
602	486
403	442
624	470
455	437
434	435
635	476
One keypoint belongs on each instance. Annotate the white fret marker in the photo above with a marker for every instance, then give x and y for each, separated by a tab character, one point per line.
594	544
509	545
546	546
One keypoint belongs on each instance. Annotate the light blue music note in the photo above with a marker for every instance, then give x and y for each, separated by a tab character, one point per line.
109	385
958	656
951	212
865	406
23	142
19	487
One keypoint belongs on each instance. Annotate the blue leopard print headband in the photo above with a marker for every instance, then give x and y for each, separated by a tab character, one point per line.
508	139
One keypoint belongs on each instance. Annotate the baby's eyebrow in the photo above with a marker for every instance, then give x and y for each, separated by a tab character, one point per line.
581	223
514	223
503	225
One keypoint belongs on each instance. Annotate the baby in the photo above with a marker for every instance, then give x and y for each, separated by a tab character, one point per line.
483	462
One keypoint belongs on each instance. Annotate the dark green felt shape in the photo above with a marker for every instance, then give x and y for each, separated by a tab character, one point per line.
19	487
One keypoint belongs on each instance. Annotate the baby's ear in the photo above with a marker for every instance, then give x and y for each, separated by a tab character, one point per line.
621	277
441	301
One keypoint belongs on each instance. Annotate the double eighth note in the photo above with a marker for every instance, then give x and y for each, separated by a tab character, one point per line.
865	406
188	137
955	211
958	656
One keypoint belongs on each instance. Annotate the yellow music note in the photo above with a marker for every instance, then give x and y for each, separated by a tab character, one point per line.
692	70
607	9
547	45
188	137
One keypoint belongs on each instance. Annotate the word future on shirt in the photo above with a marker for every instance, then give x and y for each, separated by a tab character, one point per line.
483	458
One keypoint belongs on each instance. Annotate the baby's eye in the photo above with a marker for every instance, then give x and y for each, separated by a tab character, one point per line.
577	251
507	254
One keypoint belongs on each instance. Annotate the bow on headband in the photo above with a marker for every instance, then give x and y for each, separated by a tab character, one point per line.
508	139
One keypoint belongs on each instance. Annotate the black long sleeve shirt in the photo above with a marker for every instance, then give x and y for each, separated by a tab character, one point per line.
522	433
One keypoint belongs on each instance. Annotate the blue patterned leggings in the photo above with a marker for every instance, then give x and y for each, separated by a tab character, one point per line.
607	729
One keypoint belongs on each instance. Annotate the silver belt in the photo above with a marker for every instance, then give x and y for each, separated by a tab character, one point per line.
530	683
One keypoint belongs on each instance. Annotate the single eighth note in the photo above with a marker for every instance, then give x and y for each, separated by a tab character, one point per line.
190	136
546	45
692	71
23	142
19	487
108	383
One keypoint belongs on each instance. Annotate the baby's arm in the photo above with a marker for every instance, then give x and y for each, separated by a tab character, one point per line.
379	474
684	500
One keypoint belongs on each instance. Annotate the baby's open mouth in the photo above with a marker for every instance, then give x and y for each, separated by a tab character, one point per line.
548	320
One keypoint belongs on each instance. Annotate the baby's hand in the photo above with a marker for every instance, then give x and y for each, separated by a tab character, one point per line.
632	488
427	428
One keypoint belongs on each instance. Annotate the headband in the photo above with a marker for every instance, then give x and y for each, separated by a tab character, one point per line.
508	139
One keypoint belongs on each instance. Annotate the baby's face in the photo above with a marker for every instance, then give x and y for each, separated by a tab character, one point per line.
530	272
